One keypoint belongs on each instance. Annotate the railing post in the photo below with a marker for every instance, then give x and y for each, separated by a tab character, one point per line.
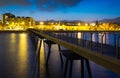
83	38
97	40
102	35
71	37
117	46
115	43
91	41
77	38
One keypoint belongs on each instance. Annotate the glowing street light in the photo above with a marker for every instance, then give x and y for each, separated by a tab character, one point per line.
86	24
23	23
92	24
7	23
29	23
13	23
41	23
79	24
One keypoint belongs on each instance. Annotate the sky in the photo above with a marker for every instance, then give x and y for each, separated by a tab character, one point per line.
85	10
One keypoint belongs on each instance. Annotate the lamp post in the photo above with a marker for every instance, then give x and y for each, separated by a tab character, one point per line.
41	24
23	23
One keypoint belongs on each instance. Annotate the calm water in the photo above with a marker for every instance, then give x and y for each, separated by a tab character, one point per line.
17	60
108	38
16	56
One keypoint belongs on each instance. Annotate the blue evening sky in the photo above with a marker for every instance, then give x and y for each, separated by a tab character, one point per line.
86	10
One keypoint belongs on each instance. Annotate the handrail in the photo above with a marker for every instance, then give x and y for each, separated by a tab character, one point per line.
101	59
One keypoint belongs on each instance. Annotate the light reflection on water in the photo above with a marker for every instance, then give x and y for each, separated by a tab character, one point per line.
13	36
79	35
16	51
108	38
22	53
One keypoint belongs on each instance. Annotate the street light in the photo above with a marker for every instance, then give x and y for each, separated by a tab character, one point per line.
92	24
79	24
86	24
23	23
41	23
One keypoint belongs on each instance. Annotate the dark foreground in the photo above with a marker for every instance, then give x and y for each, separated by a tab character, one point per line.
18	59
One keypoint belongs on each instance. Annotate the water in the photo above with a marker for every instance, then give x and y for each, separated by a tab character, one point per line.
16	55
17	60
108	38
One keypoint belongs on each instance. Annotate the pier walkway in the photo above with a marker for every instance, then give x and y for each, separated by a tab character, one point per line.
102	54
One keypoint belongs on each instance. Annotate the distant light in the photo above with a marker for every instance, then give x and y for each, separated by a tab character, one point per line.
41	23
7	22
59	27
86	24
79	24
23	23
13	23
92	24
52	23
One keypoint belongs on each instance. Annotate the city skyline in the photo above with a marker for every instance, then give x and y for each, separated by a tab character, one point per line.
85	10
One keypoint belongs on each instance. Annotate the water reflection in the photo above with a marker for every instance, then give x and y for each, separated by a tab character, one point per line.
13	37
79	35
16	53
15	61
40	61
101	37
22	53
12	42
97	37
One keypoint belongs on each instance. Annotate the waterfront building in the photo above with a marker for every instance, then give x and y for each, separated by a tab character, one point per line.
11	21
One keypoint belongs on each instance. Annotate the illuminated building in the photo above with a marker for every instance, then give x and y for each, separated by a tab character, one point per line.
0	24
6	17
3	18
12	21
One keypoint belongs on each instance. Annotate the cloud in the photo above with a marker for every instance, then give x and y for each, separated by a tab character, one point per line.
43	5
14	2
53	5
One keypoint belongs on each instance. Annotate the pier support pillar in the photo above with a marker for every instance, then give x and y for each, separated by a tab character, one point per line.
49	52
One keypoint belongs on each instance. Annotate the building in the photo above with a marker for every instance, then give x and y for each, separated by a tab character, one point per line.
6	17
0	24
11	21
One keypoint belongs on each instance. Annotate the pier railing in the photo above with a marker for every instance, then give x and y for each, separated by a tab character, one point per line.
101	53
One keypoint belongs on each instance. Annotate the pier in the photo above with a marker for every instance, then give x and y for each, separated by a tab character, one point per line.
45	61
